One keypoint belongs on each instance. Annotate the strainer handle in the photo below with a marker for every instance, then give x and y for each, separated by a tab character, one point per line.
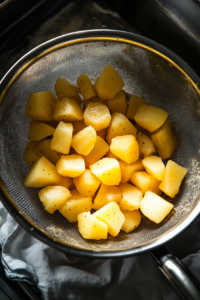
180	277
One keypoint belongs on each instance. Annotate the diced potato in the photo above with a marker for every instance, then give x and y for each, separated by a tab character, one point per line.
83	142
62	138
71	165
67	110
91	227
75	205
50	154
146	182
78	126
109	83
132	220
93	100
38	131
165	140
40	106
131	197
134	104
172	179
119	126
42	173
65	89
87	183
107	170
109	154
154	207
128	169
154	166
86	87
97	115
118	103
32	153
111	215
107	194
99	150
78	99
65	181
146	146
150	117
52	197
102	133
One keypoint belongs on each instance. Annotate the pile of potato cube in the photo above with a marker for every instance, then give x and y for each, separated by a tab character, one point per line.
95	152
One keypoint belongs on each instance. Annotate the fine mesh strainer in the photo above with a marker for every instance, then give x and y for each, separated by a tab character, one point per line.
149	71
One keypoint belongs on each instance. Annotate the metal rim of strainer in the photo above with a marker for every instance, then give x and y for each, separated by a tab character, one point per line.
87	36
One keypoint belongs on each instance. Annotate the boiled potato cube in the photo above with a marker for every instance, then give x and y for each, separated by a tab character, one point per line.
102	133
109	154
165	140
99	150
119	126
87	183
62	138
91	227
78	99
134	104
67	110
83	142
132	220
131	197
146	146
126	148
42	173
107	170
71	165
65	181
50	154
109	83
146	182
172	179
154	207
128	169
86	87
75	205
38	131
150	118
154	166
97	115
111	215
93	100
40	106
65	89
52	197
78	126
107	194
32	153
118	103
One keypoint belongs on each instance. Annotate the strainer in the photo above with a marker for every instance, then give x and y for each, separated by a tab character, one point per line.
149	71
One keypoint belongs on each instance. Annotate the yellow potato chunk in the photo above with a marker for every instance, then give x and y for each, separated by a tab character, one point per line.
97	115
32	153
50	154
52	197
93	100
38	131
134	104
67	110
146	146
118	103
65	181
107	194
71	165
86	87
78	99
111	155
126	148
111	215
99	150
154	166
107	170
146	182
75	205
62	138
83	142
102	133
128	169
165	140
154	207
40	106
132	220
150	118
131	197
78	126
87	183
65	89
109	83
91	227
172	179
42	173
119	126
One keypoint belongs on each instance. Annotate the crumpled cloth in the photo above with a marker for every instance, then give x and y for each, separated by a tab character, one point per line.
59	276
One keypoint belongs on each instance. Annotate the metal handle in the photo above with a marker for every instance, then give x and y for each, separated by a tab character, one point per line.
180	277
